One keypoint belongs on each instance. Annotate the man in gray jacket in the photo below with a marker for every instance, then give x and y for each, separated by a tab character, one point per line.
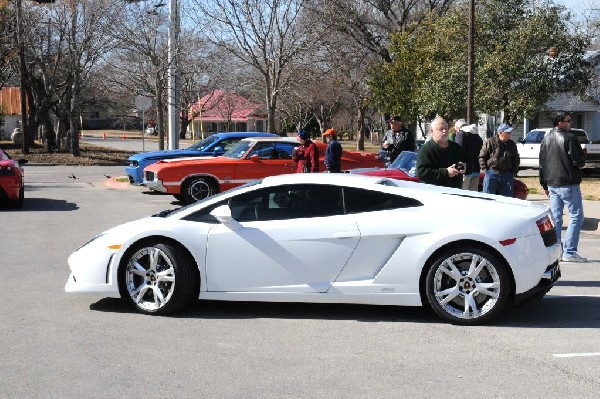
561	160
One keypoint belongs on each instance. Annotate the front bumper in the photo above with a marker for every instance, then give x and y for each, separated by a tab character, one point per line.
153	183
135	174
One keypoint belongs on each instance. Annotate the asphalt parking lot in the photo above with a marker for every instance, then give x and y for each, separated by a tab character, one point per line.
57	345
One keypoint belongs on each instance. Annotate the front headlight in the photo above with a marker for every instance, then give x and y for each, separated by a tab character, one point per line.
93	239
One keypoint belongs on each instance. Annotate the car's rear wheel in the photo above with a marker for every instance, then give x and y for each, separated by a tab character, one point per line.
158	277
196	189
468	285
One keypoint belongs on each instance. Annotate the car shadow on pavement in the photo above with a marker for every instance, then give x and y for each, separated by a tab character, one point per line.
550	312
590	224
209	309
45	204
554	312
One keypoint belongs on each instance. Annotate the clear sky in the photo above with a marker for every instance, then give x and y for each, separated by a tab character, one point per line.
580	5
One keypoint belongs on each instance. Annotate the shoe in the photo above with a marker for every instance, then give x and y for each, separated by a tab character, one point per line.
575	258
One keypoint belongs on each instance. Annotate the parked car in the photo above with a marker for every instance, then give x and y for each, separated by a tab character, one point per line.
211	146
529	148
12	181
190	180
329	238
405	168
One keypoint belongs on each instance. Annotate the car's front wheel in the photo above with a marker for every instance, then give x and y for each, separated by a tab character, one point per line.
196	189
158	277
468	286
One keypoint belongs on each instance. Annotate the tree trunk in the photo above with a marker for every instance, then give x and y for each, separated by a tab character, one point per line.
361	128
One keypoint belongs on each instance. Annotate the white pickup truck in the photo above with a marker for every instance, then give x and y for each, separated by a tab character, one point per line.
529	148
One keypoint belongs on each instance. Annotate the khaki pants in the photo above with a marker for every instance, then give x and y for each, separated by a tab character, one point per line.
471	182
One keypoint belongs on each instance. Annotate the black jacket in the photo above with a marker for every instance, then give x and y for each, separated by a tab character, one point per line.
472	144
561	159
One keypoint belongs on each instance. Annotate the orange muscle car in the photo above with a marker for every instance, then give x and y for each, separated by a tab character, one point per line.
192	179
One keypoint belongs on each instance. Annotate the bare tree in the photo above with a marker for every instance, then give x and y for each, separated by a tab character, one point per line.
140	61
264	34
66	42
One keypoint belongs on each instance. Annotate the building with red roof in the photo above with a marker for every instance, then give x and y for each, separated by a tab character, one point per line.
221	111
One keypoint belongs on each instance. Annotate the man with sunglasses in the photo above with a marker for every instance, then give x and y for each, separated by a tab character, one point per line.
561	160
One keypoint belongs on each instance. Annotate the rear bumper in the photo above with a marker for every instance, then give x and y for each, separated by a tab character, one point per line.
9	190
549	278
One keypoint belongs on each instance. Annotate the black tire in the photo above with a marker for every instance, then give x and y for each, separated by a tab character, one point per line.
161	287
178	197
465	297
196	189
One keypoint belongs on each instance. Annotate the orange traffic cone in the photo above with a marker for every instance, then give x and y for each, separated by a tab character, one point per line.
123	135
104	136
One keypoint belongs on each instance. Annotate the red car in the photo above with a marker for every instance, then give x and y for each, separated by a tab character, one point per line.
193	179
404	168
12	183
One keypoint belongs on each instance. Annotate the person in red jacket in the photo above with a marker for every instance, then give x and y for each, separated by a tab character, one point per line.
306	155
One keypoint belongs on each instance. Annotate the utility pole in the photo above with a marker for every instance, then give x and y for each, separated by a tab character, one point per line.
22	77
172	72
471	63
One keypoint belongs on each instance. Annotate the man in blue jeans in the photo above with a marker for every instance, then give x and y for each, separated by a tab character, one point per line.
499	158
561	160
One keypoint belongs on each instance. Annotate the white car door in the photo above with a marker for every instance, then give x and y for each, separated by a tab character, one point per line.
283	245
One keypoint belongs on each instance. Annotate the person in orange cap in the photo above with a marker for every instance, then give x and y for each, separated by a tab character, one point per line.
333	153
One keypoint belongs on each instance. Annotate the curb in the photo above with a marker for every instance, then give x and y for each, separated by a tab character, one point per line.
114	182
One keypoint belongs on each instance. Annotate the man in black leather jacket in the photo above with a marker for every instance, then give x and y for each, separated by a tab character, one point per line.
561	160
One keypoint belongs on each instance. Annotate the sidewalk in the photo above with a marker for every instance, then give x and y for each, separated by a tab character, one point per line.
591	212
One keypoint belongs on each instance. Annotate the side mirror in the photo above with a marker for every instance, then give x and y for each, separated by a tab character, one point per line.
254	158
223	215
218	149
521	140
22	161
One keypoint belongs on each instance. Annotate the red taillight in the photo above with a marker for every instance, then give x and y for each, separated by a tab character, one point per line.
7	170
509	241
545	224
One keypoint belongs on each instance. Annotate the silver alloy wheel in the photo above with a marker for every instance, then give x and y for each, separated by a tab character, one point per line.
150	278
467	285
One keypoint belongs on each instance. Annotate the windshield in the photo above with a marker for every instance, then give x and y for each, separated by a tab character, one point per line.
202	144
406	161
212	199
238	150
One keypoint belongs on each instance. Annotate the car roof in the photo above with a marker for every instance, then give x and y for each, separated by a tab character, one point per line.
271	139
547	129
350	179
244	134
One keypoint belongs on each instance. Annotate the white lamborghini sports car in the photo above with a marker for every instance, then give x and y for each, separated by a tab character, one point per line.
334	238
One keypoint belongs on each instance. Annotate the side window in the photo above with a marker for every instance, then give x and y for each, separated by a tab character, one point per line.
204	215
534	137
359	200
264	151
284	150
287	202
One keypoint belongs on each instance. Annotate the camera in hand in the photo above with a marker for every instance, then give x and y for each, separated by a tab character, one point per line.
460	166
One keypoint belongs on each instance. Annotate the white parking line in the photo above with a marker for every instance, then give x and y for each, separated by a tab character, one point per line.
570	296
576	354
